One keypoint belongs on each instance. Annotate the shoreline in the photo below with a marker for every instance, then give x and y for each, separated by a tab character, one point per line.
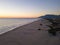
11	27
28	35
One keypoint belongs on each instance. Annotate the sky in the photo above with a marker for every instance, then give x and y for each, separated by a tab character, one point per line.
28	8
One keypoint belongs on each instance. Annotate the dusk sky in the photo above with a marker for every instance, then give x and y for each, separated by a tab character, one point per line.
28	8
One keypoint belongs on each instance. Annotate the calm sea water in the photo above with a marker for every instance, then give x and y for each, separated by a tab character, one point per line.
9	24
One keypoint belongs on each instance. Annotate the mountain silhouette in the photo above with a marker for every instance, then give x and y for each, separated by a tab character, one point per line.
50	16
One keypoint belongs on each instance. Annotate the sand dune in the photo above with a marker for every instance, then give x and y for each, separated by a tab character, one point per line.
29	35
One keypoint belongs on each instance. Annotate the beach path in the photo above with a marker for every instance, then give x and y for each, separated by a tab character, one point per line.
29	35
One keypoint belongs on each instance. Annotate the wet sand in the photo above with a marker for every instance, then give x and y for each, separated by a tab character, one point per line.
29	35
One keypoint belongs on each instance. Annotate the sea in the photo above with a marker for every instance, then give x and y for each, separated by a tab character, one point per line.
8	24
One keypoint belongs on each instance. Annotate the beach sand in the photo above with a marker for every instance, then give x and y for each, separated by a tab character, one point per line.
29	35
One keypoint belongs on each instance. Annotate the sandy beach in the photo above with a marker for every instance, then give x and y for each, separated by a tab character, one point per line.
29	35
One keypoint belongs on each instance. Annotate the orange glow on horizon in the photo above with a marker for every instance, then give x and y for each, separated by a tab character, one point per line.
23	15
18	16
